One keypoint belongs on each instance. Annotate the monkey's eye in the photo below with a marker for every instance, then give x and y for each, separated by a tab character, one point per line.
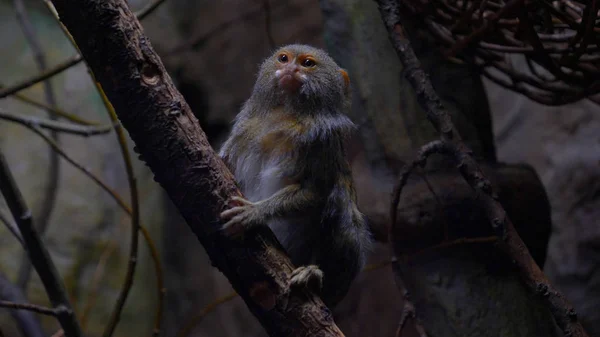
308	63
283	58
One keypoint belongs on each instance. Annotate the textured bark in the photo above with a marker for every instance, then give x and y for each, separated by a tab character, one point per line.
170	139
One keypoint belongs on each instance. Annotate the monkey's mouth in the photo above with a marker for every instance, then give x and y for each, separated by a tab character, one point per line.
290	83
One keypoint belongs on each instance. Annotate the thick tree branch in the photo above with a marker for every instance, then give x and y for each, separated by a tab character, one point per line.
170	140
451	144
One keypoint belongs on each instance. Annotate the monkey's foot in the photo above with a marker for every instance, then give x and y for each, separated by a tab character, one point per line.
240	218
307	276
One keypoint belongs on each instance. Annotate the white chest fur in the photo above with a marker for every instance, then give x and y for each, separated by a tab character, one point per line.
259	174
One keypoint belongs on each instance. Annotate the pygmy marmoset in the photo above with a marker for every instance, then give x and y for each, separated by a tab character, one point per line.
286	151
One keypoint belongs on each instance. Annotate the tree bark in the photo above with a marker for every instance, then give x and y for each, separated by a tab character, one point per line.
170	140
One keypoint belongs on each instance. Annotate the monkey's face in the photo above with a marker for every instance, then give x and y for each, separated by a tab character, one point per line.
303	74
293	70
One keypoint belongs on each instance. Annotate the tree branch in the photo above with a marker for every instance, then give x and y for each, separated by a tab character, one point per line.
74	129
26	320
12	228
510	242
37	252
72	61
30	307
173	145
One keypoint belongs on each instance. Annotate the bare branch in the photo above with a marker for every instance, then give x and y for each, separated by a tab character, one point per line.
12	228
38	254
59	112
74	60
30	307
74	129
27	321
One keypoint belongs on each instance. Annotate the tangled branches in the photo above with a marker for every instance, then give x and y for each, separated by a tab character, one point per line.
557	39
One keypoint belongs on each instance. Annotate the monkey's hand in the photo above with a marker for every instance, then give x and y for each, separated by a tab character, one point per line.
240	218
310	277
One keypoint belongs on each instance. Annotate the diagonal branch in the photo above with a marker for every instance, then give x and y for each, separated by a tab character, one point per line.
30	307
67	64
42	76
510	242
169	137
70	128
12	228
40	258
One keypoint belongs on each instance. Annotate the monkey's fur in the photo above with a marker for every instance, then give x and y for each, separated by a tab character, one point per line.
286	151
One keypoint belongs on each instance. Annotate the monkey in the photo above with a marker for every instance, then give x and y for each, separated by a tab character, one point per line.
286	151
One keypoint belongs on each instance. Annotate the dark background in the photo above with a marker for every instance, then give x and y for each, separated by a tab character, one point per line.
212	50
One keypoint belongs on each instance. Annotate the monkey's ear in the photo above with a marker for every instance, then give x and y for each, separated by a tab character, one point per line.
346	80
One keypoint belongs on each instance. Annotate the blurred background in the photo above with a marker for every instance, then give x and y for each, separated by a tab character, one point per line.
212	50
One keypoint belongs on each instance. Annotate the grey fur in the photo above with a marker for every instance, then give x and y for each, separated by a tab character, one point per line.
300	184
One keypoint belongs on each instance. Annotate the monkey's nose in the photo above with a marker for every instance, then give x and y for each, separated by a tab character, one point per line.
289	82
291	68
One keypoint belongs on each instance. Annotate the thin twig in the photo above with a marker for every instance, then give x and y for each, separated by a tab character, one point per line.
74	60
37	252
73	129
94	284
408	309
30	307
27	321
194	321
488	25
438	201
49	198
135	220
59	112
78	166
160	283
424	152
